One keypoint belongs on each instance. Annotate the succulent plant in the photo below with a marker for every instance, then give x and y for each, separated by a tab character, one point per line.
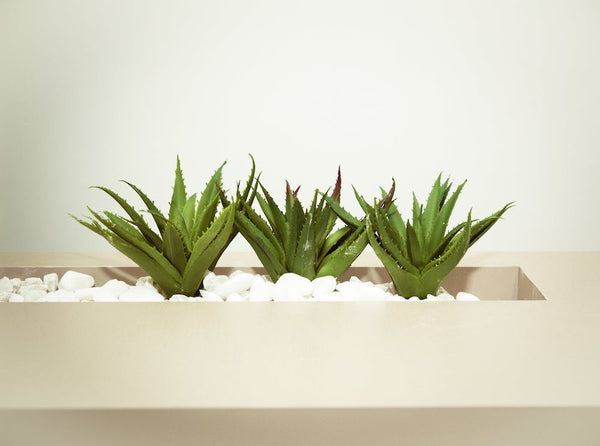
419	255
189	241
298	240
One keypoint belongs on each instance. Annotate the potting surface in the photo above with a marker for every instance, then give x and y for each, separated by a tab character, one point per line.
531	365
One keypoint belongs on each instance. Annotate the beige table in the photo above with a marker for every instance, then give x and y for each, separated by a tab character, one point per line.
444	373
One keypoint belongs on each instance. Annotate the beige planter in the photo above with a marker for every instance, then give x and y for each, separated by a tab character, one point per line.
506	371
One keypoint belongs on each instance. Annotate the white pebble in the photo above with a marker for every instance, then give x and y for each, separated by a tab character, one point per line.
350	288
33	281
180	298
208	296
6	285
24	289
258	281
5	295
261	291
32	295
259	298
382	286
323	285
414	299
86	294
51	281
334	296
291	286
72	280
445	297
211	281
60	296
141	294
115	287
439	297
394	298
16	282
292	296
14	297
466	296
102	294
373	294
235	297
362	291
147	282
236	284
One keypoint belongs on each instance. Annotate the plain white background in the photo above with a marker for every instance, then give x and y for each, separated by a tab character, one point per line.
505	94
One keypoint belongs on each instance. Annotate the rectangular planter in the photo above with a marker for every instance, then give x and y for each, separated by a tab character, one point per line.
514	369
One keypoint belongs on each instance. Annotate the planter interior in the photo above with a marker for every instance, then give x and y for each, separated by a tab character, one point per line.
487	282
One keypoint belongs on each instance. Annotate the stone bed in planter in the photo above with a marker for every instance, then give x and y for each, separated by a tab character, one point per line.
236	285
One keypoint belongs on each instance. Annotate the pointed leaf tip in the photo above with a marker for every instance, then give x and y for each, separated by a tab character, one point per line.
388	200
337	189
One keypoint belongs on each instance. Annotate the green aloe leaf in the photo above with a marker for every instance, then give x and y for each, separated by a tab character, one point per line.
484	225
206	249
440	223
414	247
275	216
204	217
159	218
174	248
337	262
432	206
406	284
361	201
152	237
392	242
207	197
439	250
324	217
435	272
179	197
165	281
342	213
251	185
295	217
335	239
94	226
188	212
263	229
264	249
130	235
305	257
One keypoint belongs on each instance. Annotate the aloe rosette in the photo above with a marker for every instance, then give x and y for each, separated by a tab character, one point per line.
189	241
419	255
298	240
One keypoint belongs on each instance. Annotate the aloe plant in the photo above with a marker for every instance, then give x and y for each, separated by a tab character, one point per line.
301	241
188	241
419	255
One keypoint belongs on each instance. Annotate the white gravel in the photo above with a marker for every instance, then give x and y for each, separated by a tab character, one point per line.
240	286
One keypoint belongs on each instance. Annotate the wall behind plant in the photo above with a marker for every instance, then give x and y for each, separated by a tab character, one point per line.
505	94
